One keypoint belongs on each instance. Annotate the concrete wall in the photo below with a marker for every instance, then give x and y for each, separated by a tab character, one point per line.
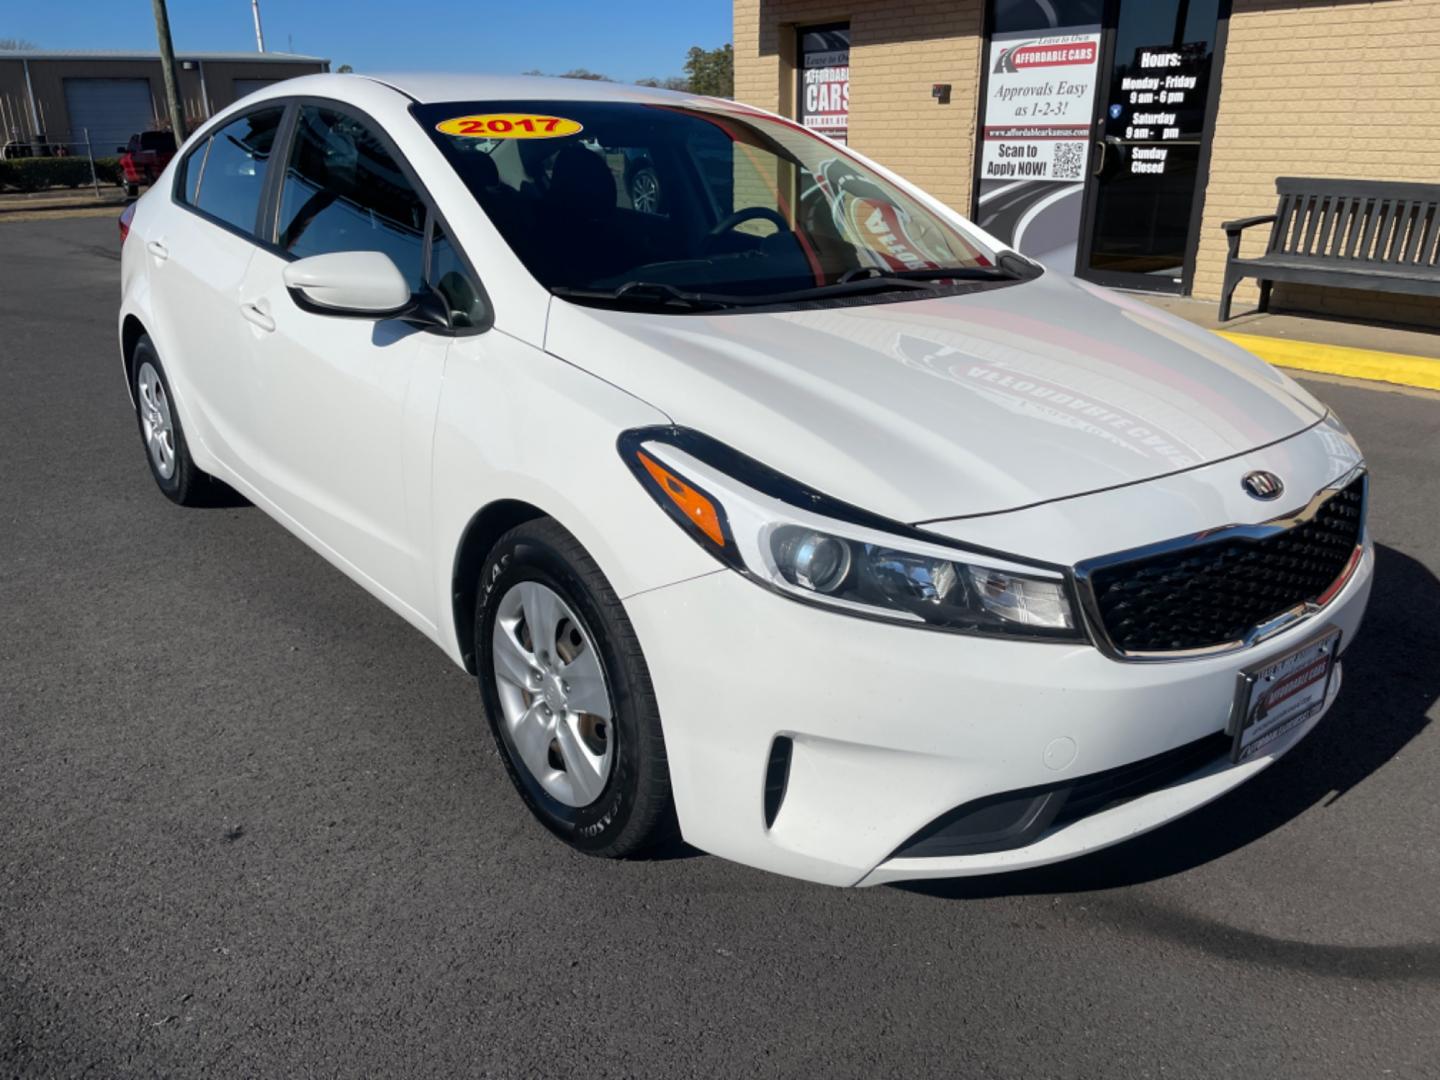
1348	88
47	77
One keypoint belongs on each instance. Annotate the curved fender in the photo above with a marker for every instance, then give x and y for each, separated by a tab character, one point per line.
518	423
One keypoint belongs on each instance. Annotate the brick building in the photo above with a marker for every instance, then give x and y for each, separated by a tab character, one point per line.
57	97
1112	137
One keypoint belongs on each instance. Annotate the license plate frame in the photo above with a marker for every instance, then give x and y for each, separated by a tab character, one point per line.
1252	733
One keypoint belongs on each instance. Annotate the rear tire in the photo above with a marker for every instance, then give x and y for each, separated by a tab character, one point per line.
163	436
599	782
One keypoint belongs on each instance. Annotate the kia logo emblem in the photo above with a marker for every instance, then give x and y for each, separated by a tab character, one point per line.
1262	485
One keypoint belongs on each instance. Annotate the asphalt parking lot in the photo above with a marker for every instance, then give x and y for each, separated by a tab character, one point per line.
251	824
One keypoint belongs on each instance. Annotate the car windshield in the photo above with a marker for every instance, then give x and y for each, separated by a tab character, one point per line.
691	202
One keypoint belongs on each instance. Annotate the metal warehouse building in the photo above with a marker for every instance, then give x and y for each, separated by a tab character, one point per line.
56	97
1113	137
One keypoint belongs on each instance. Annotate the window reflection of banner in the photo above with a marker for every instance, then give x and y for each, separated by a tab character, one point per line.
1035	140
824	99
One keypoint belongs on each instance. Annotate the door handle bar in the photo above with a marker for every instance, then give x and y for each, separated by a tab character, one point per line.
253	314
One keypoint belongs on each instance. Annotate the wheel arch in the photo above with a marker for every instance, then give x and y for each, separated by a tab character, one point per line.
131	331
484	529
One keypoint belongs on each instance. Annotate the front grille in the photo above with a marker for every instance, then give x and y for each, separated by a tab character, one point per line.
1215	592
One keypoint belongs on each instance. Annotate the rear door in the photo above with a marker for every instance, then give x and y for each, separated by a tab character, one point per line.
339	404
198	257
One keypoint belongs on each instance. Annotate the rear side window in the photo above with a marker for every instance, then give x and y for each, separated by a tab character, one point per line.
344	192
227	173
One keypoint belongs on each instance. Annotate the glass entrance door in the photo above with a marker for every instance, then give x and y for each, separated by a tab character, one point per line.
1151	126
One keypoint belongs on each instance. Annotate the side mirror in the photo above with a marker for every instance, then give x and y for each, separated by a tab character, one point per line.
361	284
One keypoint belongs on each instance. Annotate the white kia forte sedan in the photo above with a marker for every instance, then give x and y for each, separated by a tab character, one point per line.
770	501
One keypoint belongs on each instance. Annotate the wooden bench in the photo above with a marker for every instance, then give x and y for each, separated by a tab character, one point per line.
1360	234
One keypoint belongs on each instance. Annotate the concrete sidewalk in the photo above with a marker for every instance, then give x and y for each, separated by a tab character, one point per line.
84	198
1331	346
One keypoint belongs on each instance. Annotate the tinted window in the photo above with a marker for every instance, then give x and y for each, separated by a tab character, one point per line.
231	174
449	275
740	204
344	192
160	141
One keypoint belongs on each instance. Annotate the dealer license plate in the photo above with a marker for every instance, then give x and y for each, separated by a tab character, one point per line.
1278	697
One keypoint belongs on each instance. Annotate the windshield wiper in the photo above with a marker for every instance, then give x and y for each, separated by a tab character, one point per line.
658	294
652	293
931	273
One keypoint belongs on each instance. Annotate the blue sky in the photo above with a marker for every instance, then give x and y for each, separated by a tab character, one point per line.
626	39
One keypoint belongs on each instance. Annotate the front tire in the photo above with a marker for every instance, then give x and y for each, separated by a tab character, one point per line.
568	695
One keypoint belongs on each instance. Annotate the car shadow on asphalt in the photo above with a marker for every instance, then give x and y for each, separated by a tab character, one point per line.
1391	681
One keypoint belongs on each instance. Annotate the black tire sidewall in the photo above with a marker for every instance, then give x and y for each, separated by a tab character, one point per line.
600	825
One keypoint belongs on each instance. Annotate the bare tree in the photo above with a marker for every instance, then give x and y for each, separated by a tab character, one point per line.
15	44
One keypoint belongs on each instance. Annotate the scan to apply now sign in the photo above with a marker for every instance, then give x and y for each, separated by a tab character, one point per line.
1038	106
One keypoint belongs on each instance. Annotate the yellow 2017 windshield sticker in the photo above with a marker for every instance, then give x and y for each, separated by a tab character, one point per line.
509	126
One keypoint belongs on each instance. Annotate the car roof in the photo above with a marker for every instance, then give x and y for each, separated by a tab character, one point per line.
428	87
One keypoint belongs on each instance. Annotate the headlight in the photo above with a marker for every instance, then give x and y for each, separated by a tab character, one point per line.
817	550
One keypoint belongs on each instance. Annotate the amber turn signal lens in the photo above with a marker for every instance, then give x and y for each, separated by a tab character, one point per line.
697	509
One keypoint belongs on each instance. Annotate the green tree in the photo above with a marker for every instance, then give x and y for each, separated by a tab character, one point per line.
573	73
344	69
586	74
711	71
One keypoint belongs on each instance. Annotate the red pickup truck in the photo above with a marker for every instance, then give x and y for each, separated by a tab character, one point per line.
144	158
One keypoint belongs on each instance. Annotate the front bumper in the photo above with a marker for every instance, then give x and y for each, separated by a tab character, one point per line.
893	726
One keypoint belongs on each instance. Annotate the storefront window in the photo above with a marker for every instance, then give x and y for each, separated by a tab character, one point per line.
824	69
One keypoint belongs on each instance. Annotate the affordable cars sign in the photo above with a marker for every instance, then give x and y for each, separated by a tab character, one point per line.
825	80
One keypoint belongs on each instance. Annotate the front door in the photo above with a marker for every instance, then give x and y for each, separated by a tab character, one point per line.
1094	120
329	396
1146	184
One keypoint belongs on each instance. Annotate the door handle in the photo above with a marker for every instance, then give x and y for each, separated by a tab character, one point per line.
255	314
1099	158
158	249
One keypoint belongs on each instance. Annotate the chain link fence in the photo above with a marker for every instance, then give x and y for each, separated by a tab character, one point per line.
34	164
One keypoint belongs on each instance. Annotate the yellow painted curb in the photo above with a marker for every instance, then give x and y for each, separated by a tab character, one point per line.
1342	360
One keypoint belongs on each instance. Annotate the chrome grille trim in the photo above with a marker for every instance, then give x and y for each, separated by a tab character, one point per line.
1094	618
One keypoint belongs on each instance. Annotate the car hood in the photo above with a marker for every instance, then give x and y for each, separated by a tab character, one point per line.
949	406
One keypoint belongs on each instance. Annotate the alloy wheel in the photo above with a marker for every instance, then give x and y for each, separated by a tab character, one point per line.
645	192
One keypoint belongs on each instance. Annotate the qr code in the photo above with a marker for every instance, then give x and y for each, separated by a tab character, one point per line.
1068	161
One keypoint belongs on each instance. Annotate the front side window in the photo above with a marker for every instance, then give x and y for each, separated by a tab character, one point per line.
662	199
343	191
452	279
226	173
